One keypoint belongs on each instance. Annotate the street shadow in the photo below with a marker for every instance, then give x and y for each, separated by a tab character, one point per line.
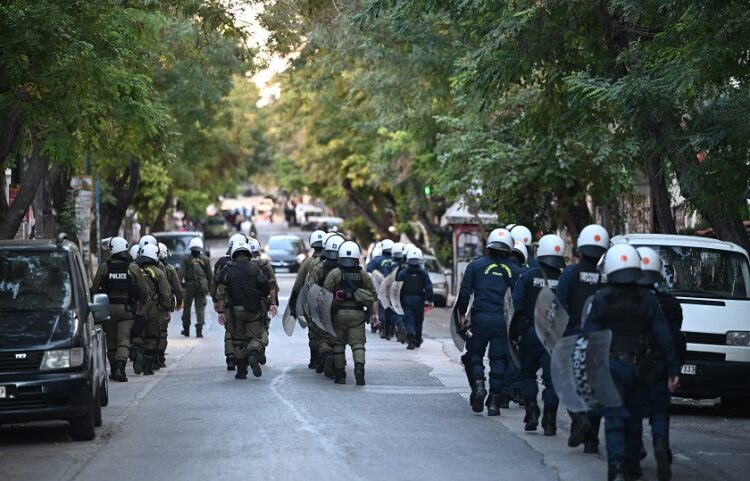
704	408
35	433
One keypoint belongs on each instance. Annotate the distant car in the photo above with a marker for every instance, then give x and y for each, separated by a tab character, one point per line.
53	350
177	243
286	252
216	227
303	213
439	278
326	223
265	205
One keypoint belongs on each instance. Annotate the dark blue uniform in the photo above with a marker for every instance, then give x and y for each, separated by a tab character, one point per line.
632	313
487	278
416	290
512	372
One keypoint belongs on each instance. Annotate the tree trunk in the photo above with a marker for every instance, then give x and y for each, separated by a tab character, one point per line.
113	214
661	200
575	218
11	217
159	222
369	216
10	130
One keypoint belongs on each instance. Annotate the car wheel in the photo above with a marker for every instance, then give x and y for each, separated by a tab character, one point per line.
739	403
83	428
104	392
440	301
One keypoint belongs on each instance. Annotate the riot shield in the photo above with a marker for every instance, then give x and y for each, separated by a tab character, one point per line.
301	306
385	289
394	295
550	318
456	333
287	321
320	301
509	311
377	279
580	372
586	309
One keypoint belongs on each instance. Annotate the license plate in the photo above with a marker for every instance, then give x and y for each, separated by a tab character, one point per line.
2	392
688	369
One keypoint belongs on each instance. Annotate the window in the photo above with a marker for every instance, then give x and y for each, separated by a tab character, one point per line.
176	244
34	281
432	265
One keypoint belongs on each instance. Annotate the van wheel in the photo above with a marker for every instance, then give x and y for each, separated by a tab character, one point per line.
97	407
104	392
740	404
82	428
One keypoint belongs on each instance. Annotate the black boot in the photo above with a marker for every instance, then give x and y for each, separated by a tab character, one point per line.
402	335
517	396
591	446
241	369
616	472
322	362
340	376
138	359
493	409
389	332
383	330
591	440
481	393
465	361
119	374
313	359
155	362
632	470
662	455
185	330
579	428
262	357
254	364
198	331
359	373
504	401
531	420
549	421
231	364
411	344
162	359
329	370
112	370
148	363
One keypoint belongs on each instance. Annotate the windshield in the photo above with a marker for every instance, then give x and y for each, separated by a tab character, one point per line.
285	245
176	244
432	265
704	272
33	281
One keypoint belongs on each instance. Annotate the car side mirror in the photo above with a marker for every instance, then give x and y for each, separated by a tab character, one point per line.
100	308
448	272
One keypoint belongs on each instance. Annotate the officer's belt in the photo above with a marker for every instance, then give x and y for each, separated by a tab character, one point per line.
351	308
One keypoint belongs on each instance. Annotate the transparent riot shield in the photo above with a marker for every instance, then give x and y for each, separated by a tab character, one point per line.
394	296
287	321
550	318
385	289
586	309
319	302
458	333
301	306
580	372
509	310
377	279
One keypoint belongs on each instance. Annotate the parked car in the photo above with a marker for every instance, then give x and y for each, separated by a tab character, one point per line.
303	213
52	347
711	279
286	252
177	243
439	277
216	227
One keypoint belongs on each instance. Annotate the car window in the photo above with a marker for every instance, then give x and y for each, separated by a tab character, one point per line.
32	281
432	265
176	244
704	272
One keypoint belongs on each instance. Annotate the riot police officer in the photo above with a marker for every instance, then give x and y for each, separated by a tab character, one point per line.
354	294
398	325
119	281
633	314
416	292
578	283
271	301
145	339
318	276
195	273
487	278
551	257
316	242
174	282
522	234
242	286
512	390
383	264
224	260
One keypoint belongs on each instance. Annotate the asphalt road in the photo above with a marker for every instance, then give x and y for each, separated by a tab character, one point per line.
194	421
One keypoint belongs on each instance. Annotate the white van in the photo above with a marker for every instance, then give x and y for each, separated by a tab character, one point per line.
711	279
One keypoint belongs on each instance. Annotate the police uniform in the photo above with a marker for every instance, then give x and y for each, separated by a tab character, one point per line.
312	331
354	294
174	282
228	347
415	292
271	299
383	264
195	273
532	353
325	340
487	278
242	286
146	339
124	288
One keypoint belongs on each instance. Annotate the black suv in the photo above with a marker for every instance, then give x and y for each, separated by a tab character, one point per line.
52	347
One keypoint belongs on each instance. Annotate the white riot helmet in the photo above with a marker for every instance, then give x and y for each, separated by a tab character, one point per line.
118	245
349	253
622	264
500	239
236	238
593	241
163	252
387	246
317	238
414	256
196	244
134	249
397	251
377	250
650	266
522	233
520	249
510	226
151	251
332	245
551	251
148	240
253	245
241	246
